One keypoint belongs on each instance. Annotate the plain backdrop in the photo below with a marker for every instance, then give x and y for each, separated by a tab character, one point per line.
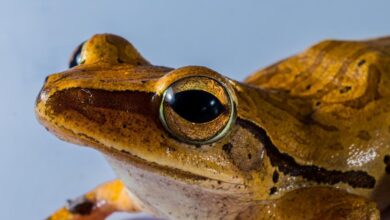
38	171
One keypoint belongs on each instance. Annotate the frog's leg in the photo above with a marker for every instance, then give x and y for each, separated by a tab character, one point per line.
98	203
315	203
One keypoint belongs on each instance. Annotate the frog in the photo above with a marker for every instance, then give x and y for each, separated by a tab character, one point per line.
305	138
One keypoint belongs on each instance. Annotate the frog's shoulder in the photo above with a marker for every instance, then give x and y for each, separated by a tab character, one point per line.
334	95
332	70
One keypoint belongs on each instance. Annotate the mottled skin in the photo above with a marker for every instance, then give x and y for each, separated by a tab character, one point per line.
309	139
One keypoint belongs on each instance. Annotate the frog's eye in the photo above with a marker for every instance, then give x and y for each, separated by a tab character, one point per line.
76	58
197	109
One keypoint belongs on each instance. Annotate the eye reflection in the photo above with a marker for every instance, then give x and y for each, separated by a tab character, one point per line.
194	105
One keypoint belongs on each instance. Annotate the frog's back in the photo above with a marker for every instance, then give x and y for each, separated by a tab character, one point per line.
347	72
338	96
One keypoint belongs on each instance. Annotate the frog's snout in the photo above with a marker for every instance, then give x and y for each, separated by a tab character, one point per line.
84	114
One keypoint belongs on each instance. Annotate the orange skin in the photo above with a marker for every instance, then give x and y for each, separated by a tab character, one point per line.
306	138
98	204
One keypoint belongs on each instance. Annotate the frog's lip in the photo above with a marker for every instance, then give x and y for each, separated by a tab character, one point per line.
167	171
141	163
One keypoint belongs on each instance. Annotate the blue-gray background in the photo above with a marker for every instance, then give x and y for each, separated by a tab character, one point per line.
38	171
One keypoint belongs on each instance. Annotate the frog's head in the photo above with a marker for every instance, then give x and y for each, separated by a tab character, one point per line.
180	122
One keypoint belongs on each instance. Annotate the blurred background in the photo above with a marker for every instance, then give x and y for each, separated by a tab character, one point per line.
235	38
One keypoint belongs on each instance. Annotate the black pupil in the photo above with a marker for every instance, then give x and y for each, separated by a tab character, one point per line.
195	105
76	56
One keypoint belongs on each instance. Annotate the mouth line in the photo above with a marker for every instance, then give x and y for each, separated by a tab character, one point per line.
169	172
134	160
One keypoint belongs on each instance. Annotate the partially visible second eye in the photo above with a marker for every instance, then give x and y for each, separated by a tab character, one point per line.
76	58
197	109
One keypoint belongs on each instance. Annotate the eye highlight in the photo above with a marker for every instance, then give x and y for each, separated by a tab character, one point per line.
197	109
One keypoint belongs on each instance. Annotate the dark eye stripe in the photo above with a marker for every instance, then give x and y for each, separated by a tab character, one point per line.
76	56
195	105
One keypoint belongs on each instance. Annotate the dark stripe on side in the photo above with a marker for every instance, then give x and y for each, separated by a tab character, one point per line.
287	164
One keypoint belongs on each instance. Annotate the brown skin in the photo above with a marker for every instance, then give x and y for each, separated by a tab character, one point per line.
313	124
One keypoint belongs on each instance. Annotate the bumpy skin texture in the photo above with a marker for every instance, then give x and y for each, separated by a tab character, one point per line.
309	136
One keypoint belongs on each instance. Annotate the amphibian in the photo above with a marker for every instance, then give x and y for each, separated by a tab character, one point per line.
305	138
